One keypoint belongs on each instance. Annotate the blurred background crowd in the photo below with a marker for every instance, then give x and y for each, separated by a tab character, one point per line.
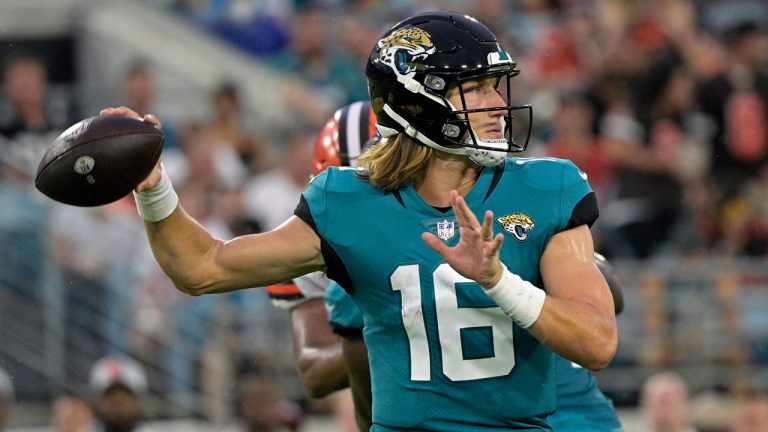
664	103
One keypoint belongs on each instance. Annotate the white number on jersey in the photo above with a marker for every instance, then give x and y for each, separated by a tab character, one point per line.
450	321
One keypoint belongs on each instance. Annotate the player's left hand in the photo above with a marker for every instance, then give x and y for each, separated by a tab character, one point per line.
476	256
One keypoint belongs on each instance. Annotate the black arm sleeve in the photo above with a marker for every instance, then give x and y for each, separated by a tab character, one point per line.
585	212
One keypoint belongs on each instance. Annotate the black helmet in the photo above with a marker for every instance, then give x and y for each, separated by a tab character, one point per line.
414	64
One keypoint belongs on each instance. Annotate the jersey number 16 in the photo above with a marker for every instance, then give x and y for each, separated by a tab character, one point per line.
451	319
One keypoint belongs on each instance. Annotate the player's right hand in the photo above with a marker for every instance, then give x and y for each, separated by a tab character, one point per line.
154	176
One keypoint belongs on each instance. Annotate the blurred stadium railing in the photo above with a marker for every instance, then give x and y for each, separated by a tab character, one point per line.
703	317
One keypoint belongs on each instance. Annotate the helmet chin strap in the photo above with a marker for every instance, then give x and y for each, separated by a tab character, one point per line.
487	158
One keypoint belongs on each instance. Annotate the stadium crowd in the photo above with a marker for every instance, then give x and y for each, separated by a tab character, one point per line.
663	104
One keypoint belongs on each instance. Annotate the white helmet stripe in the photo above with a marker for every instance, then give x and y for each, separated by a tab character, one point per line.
413	133
353	132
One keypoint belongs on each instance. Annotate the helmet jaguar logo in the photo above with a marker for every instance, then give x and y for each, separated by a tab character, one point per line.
517	224
403	48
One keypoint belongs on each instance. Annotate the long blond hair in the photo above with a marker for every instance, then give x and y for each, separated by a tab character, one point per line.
394	162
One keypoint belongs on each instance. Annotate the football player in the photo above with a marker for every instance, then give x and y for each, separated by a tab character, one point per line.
327	362
580	404
460	334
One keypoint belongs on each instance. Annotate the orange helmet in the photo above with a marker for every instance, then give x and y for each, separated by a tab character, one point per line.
344	136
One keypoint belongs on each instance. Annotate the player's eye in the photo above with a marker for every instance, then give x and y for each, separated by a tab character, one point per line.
473	89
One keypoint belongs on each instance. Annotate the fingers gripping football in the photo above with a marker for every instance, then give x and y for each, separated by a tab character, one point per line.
154	176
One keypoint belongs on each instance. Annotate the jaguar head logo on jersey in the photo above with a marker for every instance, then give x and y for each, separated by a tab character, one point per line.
445	230
402	49
517	224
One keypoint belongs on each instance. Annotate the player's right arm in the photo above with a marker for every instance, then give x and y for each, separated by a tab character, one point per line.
198	263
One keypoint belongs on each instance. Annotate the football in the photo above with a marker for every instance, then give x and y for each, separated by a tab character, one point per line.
99	160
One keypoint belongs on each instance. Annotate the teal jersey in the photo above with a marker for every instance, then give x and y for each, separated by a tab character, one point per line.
443	355
581	406
344	316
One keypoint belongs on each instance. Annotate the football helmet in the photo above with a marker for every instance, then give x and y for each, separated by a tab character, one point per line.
344	137
411	69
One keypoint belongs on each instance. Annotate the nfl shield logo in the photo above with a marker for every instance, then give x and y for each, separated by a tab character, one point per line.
445	230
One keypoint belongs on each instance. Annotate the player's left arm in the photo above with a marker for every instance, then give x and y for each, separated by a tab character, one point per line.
317	349
577	320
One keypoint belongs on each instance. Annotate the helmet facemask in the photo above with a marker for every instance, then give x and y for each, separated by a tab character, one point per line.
489	151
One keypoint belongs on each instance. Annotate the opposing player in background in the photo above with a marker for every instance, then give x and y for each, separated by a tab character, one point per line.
324	360
327	362
457	321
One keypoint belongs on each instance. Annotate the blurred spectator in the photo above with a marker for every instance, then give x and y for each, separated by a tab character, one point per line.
568	51
6	397
357	34
139	91
271	197
339	79
697	232
139	88
712	410
530	22
750	413
29	118
646	144
260	404
259	28
665	404
743	219
737	99
573	138
118	385
720	15
72	413
228	135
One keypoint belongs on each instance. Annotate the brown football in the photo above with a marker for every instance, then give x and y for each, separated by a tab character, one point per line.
99	160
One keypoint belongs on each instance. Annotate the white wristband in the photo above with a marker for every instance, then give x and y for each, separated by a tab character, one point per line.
159	202
518	298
